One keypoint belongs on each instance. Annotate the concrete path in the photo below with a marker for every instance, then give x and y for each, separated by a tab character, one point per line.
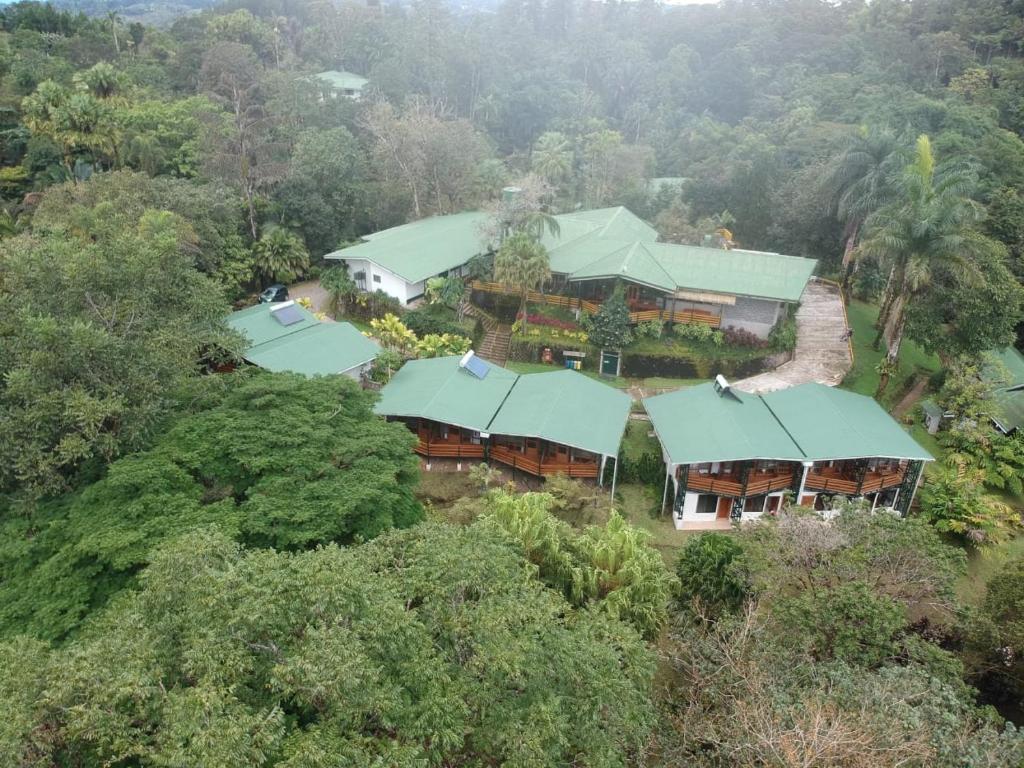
822	354
312	290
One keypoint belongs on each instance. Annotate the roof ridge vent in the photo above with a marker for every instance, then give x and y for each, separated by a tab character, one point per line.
724	389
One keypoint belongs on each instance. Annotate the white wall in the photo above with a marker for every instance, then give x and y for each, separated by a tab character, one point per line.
357	372
389	282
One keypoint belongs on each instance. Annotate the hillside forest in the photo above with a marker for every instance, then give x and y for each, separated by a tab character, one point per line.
205	564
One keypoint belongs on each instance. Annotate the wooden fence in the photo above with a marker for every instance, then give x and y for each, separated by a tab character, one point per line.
591	307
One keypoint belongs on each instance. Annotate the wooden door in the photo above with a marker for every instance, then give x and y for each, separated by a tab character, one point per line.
724	508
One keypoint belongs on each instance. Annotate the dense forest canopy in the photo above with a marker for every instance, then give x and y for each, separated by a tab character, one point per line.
206	564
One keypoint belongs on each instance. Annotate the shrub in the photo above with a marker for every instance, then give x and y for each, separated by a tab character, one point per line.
739	337
708	572
369	306
551	322
783	336
700	333
432	318
652	329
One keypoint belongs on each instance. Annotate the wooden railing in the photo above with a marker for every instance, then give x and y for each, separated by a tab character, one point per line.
450	450
757	483
844	484
516	460
693	316
696	316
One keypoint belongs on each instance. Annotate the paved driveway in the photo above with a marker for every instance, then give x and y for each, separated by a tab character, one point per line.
822	354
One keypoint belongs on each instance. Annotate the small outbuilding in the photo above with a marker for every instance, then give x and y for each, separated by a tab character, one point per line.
288	337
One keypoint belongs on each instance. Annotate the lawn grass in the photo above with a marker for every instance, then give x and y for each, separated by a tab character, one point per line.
638	440
361	325
982	565
863	377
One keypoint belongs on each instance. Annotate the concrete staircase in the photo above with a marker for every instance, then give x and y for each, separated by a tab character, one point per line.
495	345
497	337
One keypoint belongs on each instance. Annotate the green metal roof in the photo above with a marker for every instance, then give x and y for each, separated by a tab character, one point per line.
699	425
422	249
437	389
1009	397
309	346
323	349
809	422
590	245
342	80
829	423
565	407
258	325
562	406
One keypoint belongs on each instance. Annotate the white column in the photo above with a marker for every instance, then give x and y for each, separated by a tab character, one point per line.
600	476
803	482
615	476
664	495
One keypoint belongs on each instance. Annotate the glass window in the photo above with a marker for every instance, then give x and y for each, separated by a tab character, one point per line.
376	278
707	504
754	504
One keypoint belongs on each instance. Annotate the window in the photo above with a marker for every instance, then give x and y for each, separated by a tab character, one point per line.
707	504
754	504
376	278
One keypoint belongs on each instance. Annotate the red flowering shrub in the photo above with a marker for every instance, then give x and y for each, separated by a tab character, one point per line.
551	322
741	338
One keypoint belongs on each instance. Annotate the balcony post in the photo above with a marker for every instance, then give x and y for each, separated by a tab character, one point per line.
803	482
862	470
664	493
615	475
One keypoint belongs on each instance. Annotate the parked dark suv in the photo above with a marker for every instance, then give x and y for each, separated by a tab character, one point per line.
274	293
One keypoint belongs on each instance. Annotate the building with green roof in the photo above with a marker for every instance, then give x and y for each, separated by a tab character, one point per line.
559	422
287	337
591	251
1008	390
733	456
340	82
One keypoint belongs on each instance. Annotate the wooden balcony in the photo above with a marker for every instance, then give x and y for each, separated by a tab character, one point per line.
692	316
446	450
758	483
544	468
831	481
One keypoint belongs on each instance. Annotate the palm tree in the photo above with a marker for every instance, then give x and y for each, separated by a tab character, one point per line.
931	225
522	263
280	255
552	157
862	179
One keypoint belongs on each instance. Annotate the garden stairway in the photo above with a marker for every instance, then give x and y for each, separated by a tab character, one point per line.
497	337
495	345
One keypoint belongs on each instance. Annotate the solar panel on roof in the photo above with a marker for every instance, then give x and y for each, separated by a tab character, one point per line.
474	365
287	314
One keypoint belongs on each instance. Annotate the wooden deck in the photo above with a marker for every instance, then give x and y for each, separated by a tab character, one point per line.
834	482
729	485
519	461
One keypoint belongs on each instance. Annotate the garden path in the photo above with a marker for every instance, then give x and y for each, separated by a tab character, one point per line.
822	351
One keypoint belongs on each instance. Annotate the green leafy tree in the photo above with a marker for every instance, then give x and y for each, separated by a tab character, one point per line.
955	501
609	327
274	460
522	264
280	256
440	345
93	343
862	179
929	227
708	572
341	289
552	158
299	658
611	566
393	334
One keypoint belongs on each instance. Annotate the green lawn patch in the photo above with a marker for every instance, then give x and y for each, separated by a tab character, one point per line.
638	440
863	377
361	325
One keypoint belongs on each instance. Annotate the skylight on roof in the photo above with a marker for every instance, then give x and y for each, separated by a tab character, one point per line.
286	314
